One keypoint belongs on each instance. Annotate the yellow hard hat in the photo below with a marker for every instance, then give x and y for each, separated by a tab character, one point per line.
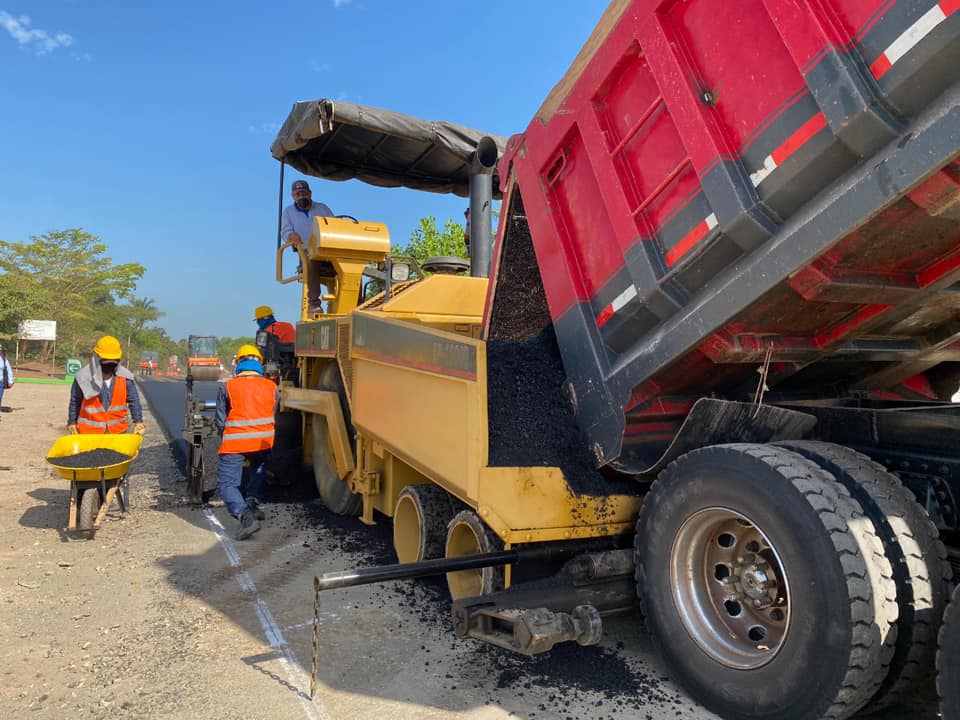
262	312
248	351
108	348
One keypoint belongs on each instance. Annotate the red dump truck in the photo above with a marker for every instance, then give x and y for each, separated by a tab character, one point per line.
759	202
737	224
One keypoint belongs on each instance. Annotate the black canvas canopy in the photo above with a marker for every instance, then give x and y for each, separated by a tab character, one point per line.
343	141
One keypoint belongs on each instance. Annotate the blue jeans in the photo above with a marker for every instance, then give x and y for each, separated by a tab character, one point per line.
230	485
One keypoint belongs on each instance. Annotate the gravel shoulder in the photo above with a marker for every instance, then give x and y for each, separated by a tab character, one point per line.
154	617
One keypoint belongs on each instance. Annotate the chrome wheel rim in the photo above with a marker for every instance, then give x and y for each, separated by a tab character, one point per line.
730	588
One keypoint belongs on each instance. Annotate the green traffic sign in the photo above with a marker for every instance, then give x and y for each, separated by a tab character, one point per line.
73	366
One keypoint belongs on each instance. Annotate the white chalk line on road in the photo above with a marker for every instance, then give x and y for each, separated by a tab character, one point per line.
296	675
326	616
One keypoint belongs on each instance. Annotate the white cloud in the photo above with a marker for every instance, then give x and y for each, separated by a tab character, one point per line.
266	128
41	41
341	3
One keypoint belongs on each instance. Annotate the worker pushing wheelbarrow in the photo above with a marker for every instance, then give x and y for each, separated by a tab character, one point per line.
97	453
96	466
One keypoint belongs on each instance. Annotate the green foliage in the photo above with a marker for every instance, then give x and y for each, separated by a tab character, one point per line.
227	348
428	241
66	276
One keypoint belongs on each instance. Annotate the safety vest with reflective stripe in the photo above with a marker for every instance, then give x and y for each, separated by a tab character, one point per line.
249	425
284	331
93	418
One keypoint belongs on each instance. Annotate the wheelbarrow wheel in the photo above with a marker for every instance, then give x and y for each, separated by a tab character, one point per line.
89	507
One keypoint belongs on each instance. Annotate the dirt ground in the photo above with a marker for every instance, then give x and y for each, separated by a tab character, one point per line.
95	627
160	614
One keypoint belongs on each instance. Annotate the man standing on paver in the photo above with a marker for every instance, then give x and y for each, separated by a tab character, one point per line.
295	227
246	408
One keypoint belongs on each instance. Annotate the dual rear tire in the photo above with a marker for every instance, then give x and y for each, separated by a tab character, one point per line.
420	522
429	523
772	592
948	661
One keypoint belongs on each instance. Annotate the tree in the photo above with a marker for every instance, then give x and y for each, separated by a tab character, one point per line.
65	276
131	323
227	347
428	241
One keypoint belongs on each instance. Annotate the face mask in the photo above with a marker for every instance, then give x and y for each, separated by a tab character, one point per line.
108	368
304	203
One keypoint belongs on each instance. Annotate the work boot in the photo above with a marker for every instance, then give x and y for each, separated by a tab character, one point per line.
248	525
254	506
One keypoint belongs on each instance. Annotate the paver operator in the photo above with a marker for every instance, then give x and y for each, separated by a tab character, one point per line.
295	226
102	392
265	320
246	407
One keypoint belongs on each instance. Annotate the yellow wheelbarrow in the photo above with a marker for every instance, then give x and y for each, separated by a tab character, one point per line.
94	487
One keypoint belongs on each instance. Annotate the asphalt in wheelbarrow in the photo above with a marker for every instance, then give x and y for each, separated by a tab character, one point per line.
100	457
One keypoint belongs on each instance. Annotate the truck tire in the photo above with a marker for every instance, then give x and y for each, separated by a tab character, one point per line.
89	504
918	558
334	492
765	588
420	521
467	534
948	661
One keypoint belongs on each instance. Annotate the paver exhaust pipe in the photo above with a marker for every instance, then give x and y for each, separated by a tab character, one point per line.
482	165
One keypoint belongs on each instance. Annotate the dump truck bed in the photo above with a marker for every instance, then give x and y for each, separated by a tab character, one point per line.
719	188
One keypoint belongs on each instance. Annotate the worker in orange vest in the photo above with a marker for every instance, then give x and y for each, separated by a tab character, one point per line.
246	407
102	392
284	331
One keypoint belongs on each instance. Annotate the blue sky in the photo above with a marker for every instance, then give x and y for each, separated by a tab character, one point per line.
149	124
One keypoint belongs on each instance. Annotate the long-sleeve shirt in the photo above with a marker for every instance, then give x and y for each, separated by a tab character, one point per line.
106	394
6	372
301	221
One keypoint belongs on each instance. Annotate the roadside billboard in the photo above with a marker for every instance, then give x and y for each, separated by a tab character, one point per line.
37	329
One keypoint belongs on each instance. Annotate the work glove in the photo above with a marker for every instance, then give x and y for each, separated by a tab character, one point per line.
139	428
72	429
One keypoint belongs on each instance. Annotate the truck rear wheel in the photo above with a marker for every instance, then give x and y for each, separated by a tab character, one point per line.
467	534
420	522
916	554
765	588
948	661
334	492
